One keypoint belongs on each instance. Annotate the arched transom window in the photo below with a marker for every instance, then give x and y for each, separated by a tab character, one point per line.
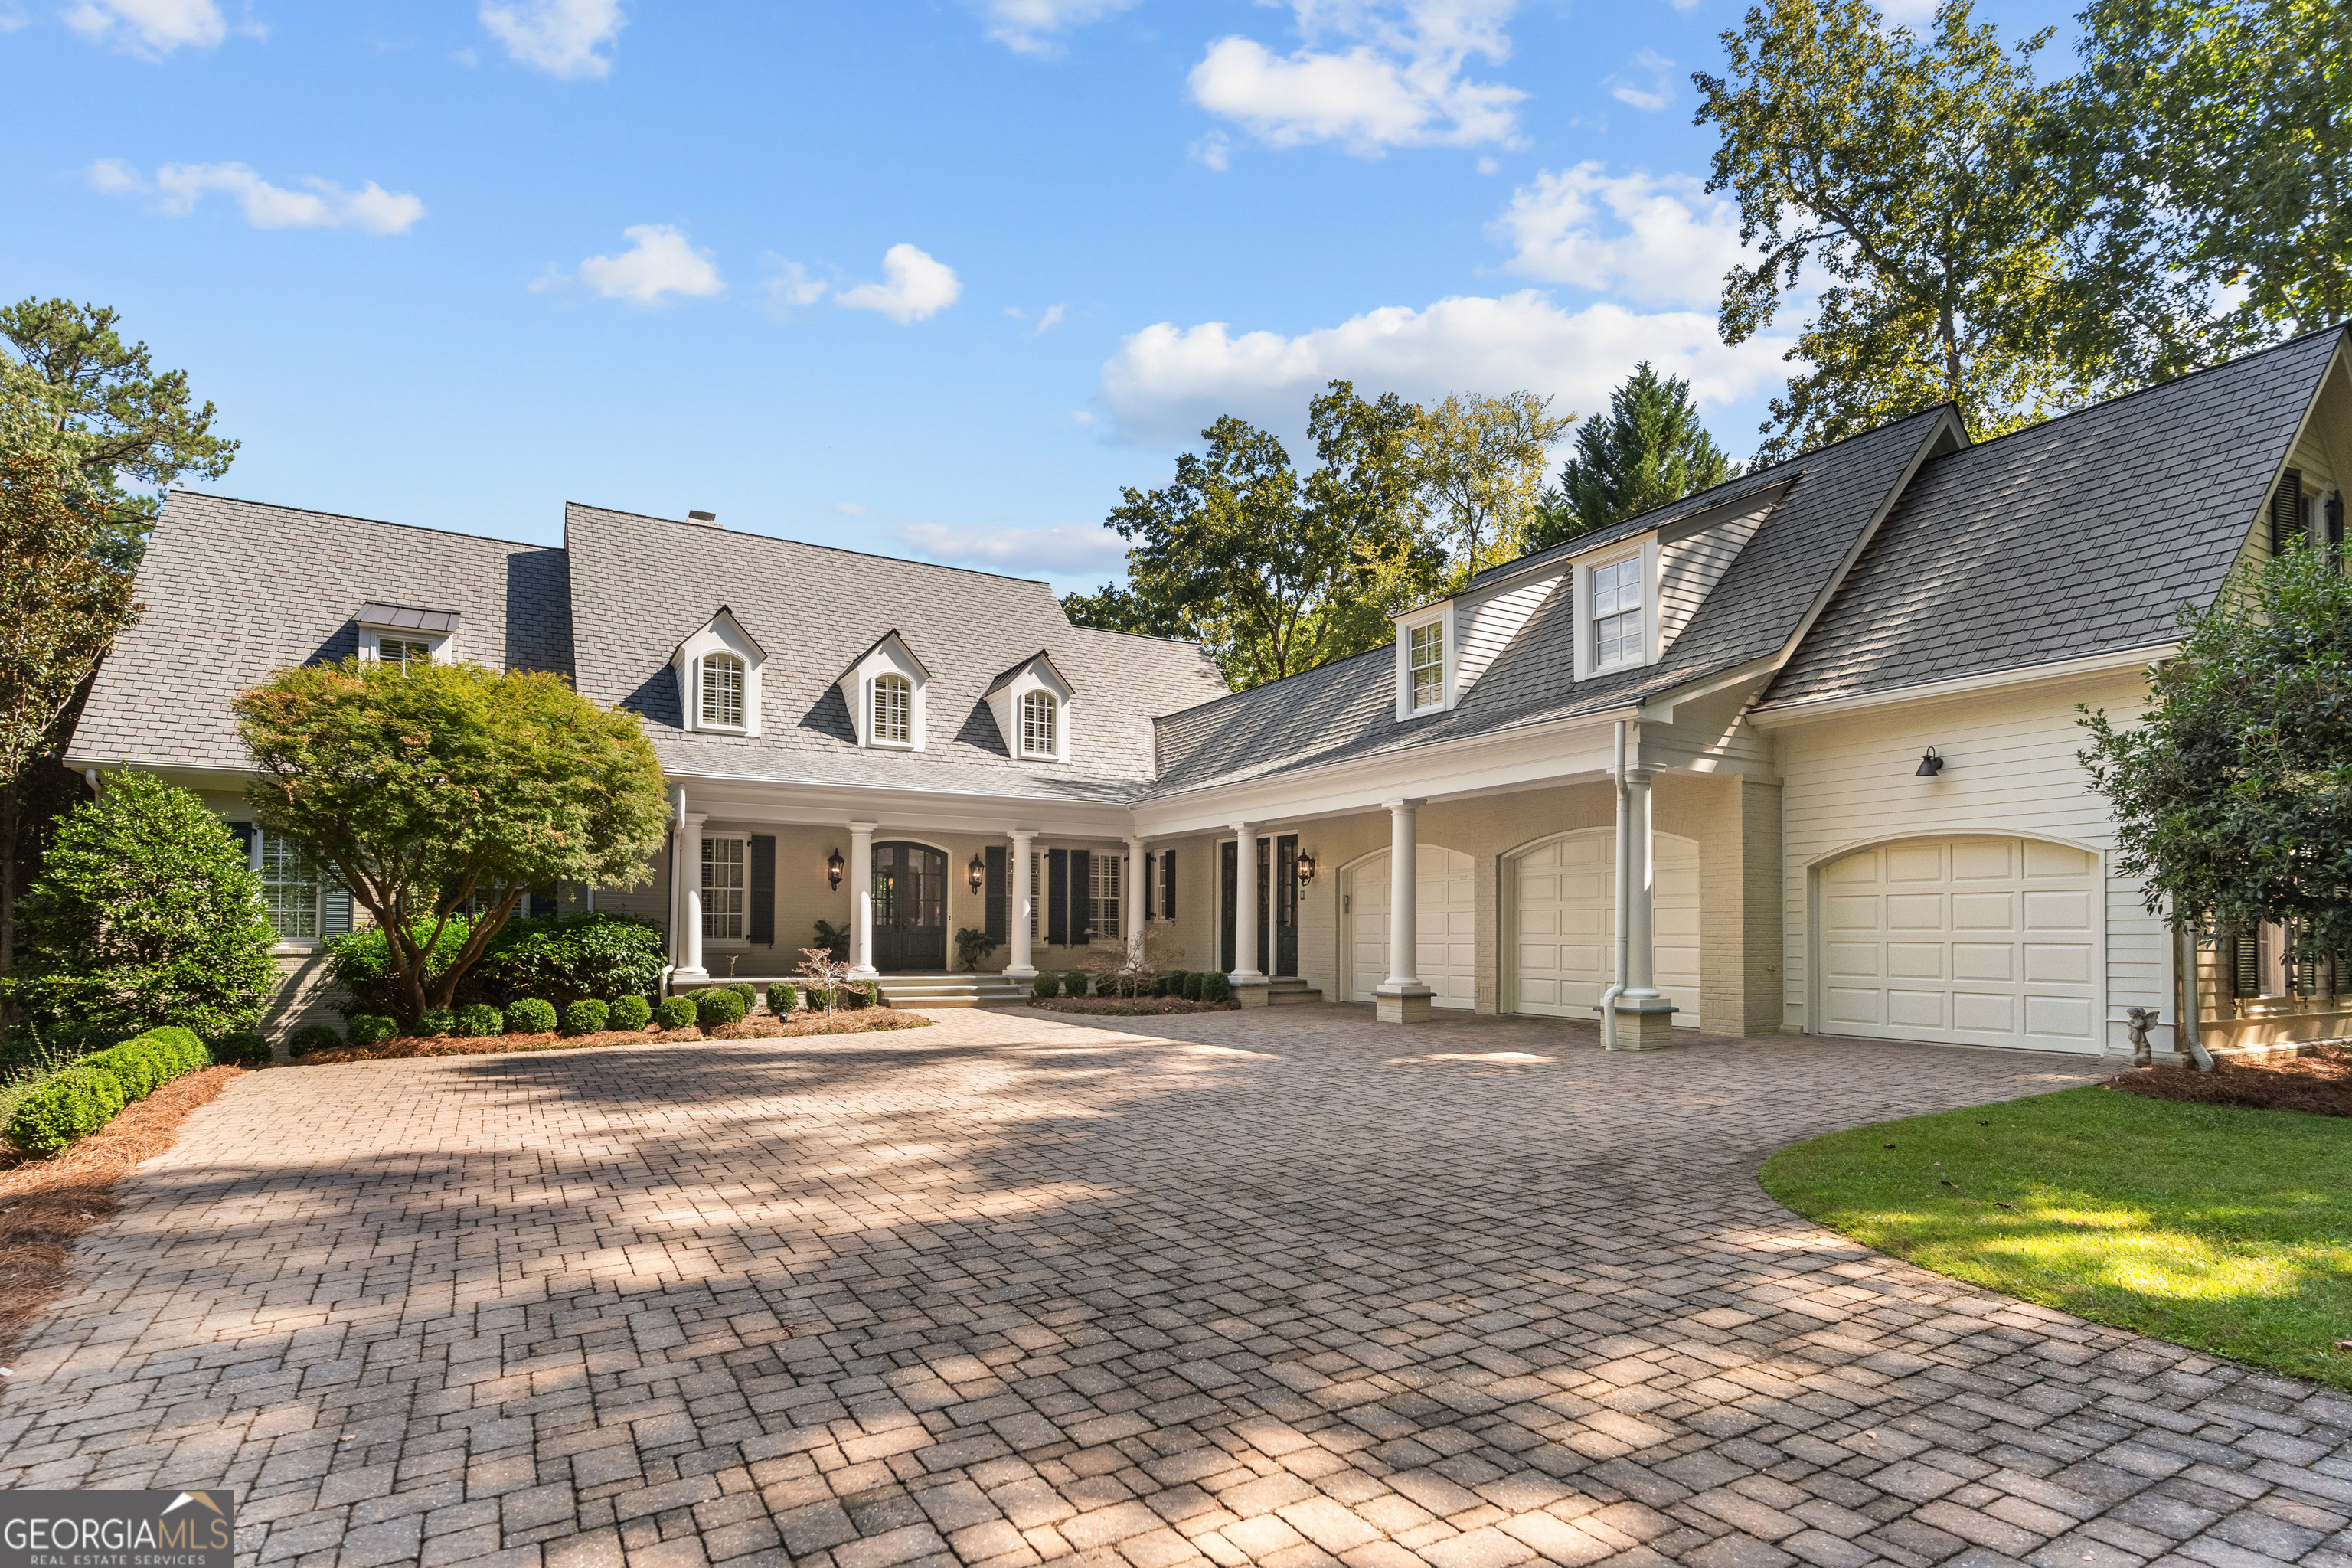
1038	721
894	703
722	690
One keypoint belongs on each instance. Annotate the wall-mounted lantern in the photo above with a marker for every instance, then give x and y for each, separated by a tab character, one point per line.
1929	765
834	866
1306	868
976	873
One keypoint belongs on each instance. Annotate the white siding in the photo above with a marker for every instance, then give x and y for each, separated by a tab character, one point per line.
2011	769
1483	629
1689	568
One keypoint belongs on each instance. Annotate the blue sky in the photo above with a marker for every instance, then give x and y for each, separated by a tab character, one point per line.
926	279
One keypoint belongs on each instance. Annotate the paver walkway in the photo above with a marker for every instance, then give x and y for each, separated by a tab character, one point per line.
1273	1287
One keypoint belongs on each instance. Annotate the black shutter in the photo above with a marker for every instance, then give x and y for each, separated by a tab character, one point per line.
243	833
1168	884
2246	963
995	894
2335	528
1082	902
764	888
2286	511
1058	902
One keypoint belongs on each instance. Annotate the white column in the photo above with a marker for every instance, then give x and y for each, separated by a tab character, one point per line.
690	883
1402	998
1025	903
1641	939
861	902
1246	970
1133	888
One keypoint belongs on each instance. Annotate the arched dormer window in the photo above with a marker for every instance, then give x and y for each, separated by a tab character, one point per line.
894	711
1039	718
722	690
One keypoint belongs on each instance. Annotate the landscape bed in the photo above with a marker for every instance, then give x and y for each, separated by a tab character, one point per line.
1129	1006
760	1026
2317	1084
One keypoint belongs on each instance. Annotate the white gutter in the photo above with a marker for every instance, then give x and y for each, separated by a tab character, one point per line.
1774	714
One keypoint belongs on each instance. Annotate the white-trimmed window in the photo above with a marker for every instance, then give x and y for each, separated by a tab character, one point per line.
1102	895
722	690
289	885
1425	650
894	711
1617	631
1038	722
726	886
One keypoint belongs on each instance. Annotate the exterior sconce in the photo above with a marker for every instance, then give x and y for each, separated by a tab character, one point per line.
976	873
834	865
1305	869
1929	765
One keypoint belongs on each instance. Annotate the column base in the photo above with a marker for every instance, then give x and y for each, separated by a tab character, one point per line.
1647	1024
689	976
864	972
1405	1004
1250	993
1020	972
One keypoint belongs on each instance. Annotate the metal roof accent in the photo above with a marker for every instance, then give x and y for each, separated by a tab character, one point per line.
404	618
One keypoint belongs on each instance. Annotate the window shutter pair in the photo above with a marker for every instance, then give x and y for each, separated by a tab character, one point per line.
998	893
2286	512
763	889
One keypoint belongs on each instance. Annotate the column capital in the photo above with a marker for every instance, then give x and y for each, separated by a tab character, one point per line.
1405	804
857	826
1245	829
1021	834
696	818
1642	775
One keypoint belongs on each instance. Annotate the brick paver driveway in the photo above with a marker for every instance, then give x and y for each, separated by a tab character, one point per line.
1273	1287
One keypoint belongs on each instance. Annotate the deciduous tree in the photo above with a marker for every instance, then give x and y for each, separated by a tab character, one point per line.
1477	468
1650	451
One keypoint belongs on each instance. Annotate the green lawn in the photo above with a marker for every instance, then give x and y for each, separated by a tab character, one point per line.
2224	1229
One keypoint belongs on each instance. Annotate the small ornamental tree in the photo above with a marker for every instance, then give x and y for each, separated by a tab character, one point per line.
147	914
2233	794
426	787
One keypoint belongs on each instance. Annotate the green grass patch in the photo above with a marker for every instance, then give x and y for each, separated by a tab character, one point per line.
2228	1230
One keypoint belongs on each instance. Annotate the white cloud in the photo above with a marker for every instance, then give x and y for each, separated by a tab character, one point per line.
178	187
1215	149
1166	383
1062	549
1652	238
151	28
1656	71
917	287
1030	27
790	286
1393	78
658	261
558	36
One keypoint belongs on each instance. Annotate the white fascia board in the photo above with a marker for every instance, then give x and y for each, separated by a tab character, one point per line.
770	802
1778	715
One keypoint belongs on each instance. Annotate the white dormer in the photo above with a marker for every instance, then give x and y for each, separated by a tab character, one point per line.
402	634
1428	666
1636	592
884	690
718	670
1617	606
1032	704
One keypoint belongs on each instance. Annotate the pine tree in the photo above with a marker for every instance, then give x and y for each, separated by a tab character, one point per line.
1650	451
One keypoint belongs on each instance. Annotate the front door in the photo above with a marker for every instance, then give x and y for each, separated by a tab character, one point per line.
911	906
1277	905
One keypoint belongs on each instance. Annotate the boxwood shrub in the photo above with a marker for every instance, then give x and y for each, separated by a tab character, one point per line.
312	1037
818	998
1173	982
83	1097
747	990
480	1020
1216	987
631	1013
674	1012
531	1016
437	1021
372	1028
243	1048
782	997
716	1006
1074	983
1047	983
586	1018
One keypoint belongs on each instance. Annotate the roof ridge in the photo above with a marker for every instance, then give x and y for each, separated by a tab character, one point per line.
349	517
835	549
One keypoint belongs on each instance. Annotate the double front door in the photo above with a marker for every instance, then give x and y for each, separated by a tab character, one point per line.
911	906
1277	904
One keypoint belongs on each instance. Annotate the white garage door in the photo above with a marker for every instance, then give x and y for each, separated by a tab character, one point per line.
1989	942
1565	924
1445	914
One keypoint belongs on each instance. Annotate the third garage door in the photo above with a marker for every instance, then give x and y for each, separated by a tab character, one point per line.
1979	941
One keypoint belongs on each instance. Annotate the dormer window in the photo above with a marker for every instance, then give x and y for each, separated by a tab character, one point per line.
1618	633
894	711
405	634
400	651
1038	724
718	670
722	691
1428	663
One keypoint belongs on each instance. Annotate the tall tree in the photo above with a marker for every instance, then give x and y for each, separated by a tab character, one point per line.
2210	144
1904	169
133	425
1478	469
1651	449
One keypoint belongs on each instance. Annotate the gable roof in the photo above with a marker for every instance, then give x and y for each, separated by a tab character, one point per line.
1347	709
1013	674
2078	536
892	636
236	589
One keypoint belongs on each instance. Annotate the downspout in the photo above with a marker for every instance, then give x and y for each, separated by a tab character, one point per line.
1621	914
2192	1026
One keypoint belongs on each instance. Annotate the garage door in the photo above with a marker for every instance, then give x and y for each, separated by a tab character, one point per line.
1991	941
1565	925
1445	915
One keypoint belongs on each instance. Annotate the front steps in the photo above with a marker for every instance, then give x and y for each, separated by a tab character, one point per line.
951	991
1292	993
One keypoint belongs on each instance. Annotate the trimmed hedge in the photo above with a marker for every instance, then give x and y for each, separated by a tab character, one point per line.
243	1048
531	1016
481	1020
782	997
373	1028
586	1018
717	1006
312	1037
853	997
631	1013
674	1012
90	1093
1173	982
1075	981
1047	983
817	998
1215	987
437	1021
747	990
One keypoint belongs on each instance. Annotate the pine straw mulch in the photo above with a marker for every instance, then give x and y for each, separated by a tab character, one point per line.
1130	1006
760	1026
46	1205
2319	1084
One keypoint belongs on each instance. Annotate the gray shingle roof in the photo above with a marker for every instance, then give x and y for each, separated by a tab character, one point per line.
1348	710
235	589
2076	537
642	584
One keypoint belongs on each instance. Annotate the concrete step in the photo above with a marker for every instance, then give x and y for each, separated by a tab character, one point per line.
1292	993
951	991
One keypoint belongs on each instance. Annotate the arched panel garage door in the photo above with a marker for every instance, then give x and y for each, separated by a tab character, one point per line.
1976	940
1564	925
1445	914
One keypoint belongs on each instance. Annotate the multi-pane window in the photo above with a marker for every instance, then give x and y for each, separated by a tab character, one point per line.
1426	646
1038	721
725	887
1617	613
289	885
1102	894
398	651
894	711
722	690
